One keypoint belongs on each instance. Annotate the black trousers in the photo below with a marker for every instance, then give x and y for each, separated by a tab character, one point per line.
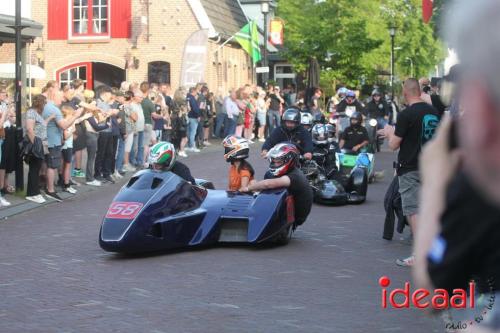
35	164
102	166
111	159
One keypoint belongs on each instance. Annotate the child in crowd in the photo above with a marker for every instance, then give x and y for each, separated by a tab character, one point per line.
241	173
67	149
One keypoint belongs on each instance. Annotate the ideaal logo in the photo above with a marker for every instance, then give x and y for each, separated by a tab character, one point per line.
440	299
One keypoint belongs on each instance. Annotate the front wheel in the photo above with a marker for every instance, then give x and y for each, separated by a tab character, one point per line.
284	237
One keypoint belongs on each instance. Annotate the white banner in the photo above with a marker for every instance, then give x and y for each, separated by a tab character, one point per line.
195	58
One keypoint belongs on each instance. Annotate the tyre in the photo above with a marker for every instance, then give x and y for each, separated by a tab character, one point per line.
283	238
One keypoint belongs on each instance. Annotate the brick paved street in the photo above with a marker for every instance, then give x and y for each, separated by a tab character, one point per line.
55	278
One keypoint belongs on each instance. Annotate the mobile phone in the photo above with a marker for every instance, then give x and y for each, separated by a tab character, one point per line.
453	135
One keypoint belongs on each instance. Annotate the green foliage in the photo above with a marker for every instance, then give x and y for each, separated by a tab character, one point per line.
350	39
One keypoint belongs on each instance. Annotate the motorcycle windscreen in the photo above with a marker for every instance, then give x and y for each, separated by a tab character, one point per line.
133	199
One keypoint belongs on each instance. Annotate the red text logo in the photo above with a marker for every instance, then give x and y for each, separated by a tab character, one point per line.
438	299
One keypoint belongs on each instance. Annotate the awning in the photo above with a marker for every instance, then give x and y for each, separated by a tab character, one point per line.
32	29
8	71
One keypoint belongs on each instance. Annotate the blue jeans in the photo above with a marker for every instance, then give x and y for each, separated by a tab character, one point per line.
192	129
274	120
120	153
229	127
220	120
139	160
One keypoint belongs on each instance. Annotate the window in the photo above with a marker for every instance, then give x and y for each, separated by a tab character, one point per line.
90	18
82	71
159	72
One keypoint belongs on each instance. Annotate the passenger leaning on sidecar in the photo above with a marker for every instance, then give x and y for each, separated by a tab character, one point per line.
290	131
354	137
283	173
162	157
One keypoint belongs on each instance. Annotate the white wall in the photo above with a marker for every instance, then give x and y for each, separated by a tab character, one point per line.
8	7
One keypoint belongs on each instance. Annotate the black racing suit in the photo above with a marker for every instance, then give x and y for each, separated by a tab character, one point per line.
181	170
324	155
377	110
341	108
299	137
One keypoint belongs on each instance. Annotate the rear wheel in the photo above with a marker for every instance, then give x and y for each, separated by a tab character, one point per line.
283	238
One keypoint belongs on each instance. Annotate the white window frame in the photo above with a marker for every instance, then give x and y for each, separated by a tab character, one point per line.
71	36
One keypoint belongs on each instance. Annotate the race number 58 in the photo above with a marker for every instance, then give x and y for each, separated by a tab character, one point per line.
124	210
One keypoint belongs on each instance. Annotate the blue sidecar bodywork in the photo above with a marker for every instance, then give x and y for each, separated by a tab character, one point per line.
159	211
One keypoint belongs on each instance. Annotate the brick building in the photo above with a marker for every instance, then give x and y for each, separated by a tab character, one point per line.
108	41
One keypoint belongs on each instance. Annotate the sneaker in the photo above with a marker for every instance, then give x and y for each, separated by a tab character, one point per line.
69	189
73	173
195	150
95	182
73	183
109	179
129	168
4	202
80	174
407	262
36	199
250	142
262	140
117	175
122	173
206	143
54	196
182	154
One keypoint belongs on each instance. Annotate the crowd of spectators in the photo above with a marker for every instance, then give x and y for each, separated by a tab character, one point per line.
74	136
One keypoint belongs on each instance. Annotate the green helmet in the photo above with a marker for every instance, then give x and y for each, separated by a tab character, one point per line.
162	156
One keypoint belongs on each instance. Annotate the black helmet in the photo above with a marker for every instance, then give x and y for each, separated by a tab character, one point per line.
319	134
292	115
356	116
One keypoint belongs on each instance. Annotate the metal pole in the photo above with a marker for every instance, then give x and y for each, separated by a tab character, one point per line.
265	76
392	66
19	129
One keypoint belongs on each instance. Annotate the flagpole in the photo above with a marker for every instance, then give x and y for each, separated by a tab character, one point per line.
222	45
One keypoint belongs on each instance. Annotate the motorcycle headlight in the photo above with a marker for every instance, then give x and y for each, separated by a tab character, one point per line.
373	122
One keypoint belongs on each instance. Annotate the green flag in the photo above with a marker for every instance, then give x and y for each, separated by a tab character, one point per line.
248	37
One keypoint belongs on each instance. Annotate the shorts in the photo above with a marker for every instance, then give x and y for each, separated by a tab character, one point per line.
53	158
261	116
67	154
148	134
129	142
409	187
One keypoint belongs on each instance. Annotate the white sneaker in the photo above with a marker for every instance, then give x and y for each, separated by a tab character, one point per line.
4	202
206	143
195	150
69	190
129	168
262	140
117	175
250	142
188	149
182	154
95	182
36	199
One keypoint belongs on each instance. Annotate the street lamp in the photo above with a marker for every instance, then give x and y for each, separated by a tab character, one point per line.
392	32
39	56
411	66
264	8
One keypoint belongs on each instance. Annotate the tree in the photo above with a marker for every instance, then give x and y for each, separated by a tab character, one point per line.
351	41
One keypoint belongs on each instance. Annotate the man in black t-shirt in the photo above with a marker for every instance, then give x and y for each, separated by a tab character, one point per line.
283	173
354	137
415	126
